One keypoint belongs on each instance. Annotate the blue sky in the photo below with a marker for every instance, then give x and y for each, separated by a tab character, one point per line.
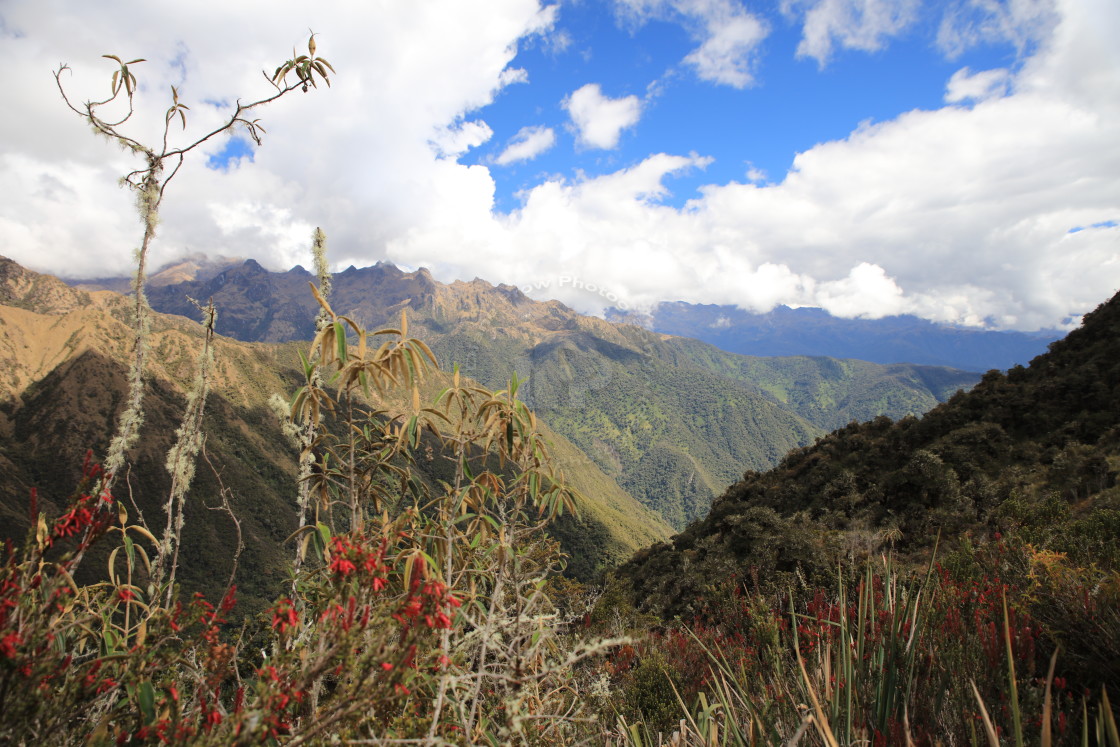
794	103
954	159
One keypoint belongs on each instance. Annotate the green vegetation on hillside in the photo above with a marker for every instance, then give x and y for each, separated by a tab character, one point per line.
1032	453
70	407
830	392
629	399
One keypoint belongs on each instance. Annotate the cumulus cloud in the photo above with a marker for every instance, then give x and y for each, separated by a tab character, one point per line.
866	292
728	34
599	120
727	52
960	214
457	139
852	24
527	144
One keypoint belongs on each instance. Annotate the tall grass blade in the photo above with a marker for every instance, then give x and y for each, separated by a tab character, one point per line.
1109	720
821	722
1047	704
993	739
1016	717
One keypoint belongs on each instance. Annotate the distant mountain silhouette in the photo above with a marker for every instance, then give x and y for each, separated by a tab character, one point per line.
812	331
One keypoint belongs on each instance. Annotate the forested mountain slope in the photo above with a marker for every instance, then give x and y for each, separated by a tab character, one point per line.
1034	453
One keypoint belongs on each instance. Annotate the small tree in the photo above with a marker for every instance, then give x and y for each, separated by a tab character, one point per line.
161	163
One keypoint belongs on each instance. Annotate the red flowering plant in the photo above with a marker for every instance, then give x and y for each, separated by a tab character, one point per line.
428	621
47	644
889	656
355	646
106	658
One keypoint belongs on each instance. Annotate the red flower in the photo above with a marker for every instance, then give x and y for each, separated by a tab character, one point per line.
284	615
342	566
77	519
229	600
411	608
9	643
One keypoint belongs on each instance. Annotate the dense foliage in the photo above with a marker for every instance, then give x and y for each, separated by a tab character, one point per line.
410	613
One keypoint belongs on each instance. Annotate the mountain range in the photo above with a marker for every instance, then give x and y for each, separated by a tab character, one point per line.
787	331
64	354
671	420
648	426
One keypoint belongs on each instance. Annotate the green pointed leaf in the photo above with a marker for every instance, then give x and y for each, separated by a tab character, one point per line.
340	340
146	696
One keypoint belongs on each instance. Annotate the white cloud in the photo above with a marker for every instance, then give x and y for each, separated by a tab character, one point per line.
728	34
852	24
559	42
961	214
599	120
985	84
866	291
528	143
364	158
513	75
459	138
727	52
